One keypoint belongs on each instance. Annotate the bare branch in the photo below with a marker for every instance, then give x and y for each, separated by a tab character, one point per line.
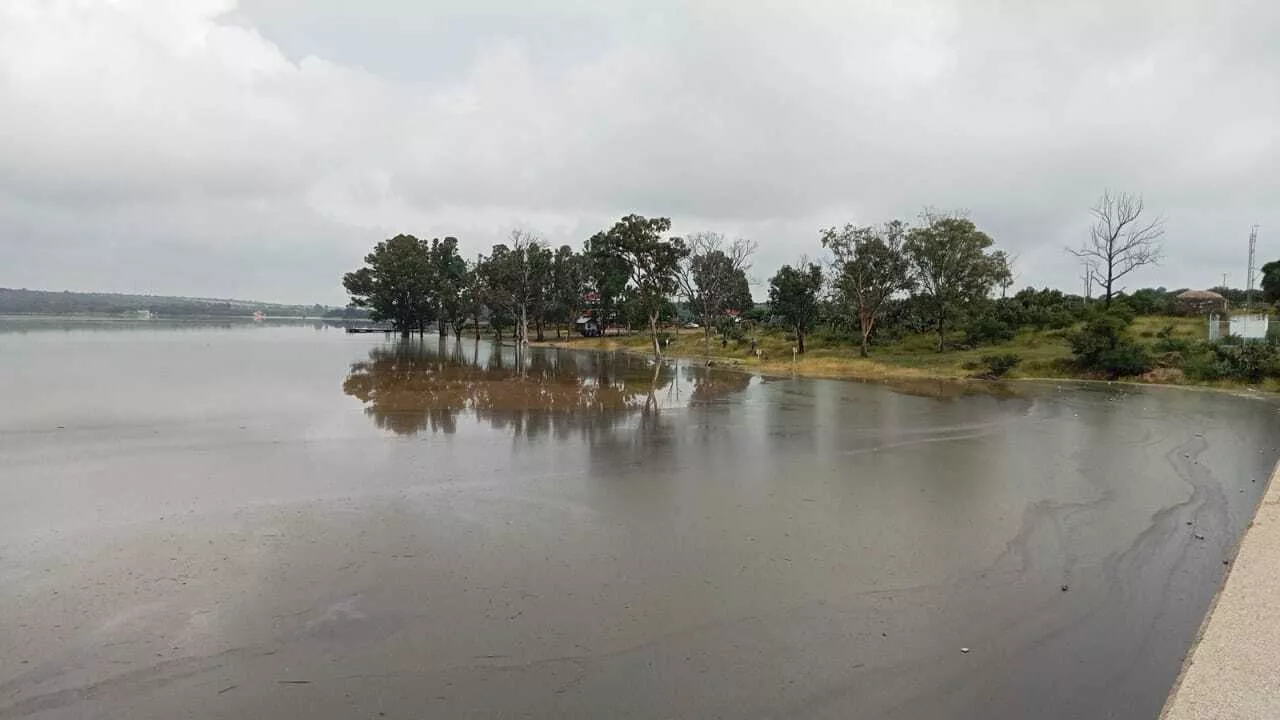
1120	240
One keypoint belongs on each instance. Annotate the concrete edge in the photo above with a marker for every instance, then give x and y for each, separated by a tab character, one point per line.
1270	494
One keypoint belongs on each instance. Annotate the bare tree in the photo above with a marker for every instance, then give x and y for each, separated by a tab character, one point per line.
1120	241
713	278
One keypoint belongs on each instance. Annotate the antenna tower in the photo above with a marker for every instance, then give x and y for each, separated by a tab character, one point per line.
1253	251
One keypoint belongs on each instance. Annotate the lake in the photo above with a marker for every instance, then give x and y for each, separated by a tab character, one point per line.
289	521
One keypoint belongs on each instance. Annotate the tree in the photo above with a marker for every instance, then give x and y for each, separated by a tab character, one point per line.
515	277
1120	241
793	296
870	268
1271	282
568	286
448	278
653	262
606	277
952	267
395	284
713	278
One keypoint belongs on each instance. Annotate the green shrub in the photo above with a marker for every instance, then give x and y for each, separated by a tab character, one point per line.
1248	362
1105	345
987	330
1000	364
1168	344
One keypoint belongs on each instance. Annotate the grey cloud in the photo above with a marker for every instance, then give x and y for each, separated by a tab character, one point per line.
292	135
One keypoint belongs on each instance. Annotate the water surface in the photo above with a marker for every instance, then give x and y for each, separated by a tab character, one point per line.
294	522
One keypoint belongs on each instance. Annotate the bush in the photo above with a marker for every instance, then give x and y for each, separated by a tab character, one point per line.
1000	364
1125	359
1251	362
1168	344
1104	345
987	330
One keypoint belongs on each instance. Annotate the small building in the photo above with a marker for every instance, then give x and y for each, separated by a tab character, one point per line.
587	326
1200	302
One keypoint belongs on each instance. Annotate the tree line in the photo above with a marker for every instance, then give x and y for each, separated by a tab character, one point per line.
625	275
940	275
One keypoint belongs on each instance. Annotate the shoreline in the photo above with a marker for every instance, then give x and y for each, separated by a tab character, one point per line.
847	368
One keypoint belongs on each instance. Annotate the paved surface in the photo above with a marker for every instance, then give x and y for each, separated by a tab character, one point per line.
1234	671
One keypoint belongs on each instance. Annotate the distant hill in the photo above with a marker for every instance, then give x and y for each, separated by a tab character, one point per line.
42	302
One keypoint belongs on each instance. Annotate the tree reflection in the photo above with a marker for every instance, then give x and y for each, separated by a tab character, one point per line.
416	384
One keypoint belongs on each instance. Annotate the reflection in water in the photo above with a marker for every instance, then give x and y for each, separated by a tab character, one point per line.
422	383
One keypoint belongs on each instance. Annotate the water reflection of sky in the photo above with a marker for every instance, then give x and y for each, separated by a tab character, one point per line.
428	383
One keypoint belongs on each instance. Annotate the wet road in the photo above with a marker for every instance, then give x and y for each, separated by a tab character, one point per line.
292	522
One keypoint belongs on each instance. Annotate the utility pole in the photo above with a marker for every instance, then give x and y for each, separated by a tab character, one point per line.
1253	251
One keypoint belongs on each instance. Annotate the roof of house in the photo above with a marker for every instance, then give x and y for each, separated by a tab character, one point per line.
1200	295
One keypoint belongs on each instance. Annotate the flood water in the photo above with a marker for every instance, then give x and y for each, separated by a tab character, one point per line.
227	522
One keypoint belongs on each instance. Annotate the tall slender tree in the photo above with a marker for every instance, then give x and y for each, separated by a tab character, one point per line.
713	277
870	268
654	262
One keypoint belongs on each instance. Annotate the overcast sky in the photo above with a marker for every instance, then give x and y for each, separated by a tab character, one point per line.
258	149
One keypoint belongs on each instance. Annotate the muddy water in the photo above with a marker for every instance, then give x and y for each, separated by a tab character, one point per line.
293	522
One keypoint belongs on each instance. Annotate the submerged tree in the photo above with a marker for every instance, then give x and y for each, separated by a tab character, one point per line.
793	296
515	277
395	284
870	267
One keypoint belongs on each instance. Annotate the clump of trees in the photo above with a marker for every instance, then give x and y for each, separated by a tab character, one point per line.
916	278
629	271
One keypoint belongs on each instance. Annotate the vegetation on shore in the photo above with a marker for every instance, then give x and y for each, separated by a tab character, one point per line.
1040	354
930	299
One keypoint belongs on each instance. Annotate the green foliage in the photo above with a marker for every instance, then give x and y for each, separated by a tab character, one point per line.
953	267
1249	362
870	268
999	365
395	283
1105	345
986	329
793	297
1271	282
653	262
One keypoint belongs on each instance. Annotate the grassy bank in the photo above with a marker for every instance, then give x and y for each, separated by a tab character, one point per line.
1044	354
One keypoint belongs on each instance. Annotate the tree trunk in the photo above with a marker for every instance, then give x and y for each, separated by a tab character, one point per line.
404	332
524	326
653	328
1106	303
706	339
799	340
538	328
942	334
477	319
441	330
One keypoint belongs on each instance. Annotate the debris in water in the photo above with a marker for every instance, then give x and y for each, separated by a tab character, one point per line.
964	650
1198	536
1065	588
